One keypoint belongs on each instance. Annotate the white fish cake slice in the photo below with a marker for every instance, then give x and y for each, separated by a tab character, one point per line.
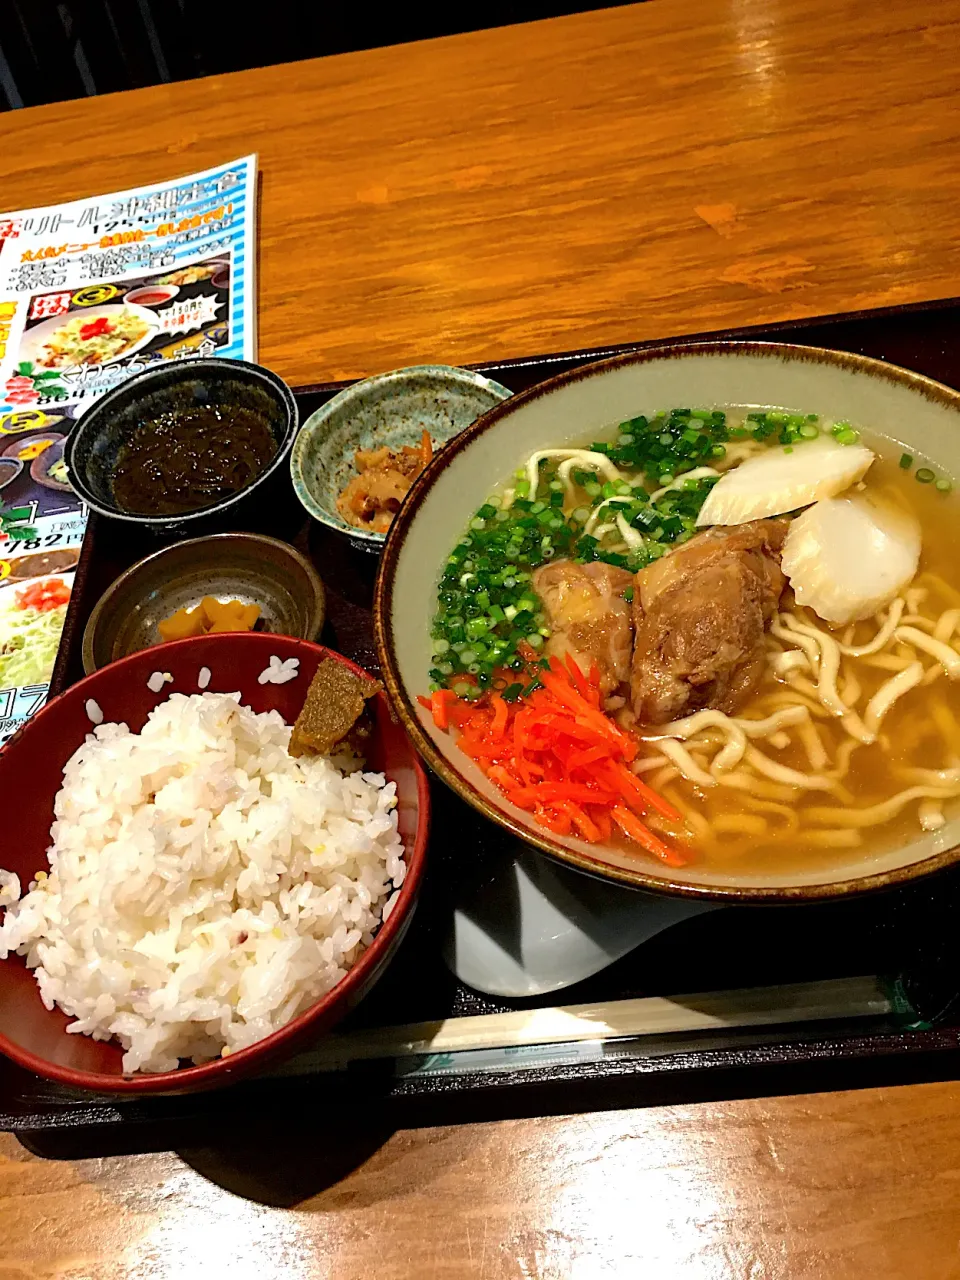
848	557
775	481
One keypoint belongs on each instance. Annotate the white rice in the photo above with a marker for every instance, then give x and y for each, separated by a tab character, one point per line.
203	677
205	887
279	671
94	714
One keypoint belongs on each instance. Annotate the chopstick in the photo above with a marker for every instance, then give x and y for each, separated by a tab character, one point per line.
799	1002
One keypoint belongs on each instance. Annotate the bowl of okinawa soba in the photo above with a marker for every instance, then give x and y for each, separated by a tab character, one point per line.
178	445
689	620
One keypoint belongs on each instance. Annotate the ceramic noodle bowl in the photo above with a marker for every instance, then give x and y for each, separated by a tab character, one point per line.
899	411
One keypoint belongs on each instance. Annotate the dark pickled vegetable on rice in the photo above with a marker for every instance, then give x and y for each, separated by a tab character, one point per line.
333	712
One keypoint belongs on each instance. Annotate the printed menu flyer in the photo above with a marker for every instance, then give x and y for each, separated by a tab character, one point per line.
92	292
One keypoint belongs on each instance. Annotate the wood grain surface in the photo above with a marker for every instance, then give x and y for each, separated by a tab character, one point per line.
623	175
822	1187
645	171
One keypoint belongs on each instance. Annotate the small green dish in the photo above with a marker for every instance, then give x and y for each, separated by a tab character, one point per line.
389	410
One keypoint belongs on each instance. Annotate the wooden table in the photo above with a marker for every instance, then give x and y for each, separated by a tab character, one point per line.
636	173
646	171
841	1186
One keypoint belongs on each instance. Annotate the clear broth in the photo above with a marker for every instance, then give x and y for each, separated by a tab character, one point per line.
921	731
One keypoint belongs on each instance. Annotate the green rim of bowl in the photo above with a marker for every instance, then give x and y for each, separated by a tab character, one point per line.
444	376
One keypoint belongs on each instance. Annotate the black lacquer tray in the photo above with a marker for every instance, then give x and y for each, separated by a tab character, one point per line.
903	942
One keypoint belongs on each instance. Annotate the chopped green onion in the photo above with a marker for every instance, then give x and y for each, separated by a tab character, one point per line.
906	461
925	475
944	486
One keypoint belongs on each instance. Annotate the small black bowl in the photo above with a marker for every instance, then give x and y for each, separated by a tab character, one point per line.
92	448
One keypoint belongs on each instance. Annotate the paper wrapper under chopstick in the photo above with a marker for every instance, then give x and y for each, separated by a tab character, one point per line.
333	715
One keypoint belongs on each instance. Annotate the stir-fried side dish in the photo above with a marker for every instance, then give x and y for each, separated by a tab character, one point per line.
741	610
383	480
85	340
31	620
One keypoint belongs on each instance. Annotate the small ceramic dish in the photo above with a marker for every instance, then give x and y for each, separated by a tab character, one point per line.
37	564
28	448
231	566
10	468
93	447
389	410
152	295
42	466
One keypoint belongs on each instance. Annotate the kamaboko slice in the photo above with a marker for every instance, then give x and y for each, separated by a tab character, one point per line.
847	557
776	480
